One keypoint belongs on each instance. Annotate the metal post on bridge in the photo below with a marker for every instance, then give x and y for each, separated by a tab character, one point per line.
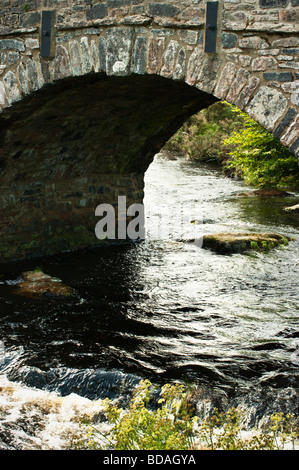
211	27
47	34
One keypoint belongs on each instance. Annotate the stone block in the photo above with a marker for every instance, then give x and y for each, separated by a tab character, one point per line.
97	11
140	55
75	58
188	36
102	54
251	42
267	106
273	3
289	15
12	45
32	75
229	40
247	93
30	19
289	65
155	55
32	43
179	71
169	59
193	67
87	63
23	79
238	84
162	9
12	88
291	87
206	79
274	52
12	58
284	57
294	148
263	63
61	63
118	3
3	97
295	98
290	41
291	113
94	55
226	78
291	134
278	76
118	54
290	51
244	60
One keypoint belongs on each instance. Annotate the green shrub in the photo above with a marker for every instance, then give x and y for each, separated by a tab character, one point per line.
201	137
259	158
225	135
173	426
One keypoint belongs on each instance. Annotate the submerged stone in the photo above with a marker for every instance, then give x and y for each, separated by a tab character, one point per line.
38	284
263	192
226	243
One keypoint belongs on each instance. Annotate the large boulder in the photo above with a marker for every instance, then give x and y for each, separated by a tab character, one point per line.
226	243
38	284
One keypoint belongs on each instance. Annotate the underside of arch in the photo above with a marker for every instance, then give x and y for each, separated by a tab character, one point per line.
77	143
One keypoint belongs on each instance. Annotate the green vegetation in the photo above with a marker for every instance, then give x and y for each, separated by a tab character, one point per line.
201	137
224	135
172	425
259	158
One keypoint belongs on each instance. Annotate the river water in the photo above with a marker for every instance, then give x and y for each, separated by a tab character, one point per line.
162	309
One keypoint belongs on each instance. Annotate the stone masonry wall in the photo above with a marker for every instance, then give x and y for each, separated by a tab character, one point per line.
258	44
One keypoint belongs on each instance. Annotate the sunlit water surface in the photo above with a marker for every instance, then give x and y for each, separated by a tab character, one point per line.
162	309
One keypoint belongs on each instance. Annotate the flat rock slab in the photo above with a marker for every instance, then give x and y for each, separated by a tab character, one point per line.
39	284
265	193
294	209
226	243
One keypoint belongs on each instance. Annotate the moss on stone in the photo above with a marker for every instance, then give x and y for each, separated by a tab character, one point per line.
226	243
38	284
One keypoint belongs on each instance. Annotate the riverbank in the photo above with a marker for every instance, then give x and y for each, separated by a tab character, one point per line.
222	135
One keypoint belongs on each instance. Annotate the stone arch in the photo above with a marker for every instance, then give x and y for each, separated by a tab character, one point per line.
122	51
58	160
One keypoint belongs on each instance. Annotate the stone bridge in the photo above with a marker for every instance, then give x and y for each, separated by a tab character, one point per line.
90	90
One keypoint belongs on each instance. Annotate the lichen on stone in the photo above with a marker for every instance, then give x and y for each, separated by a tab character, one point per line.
38	284
228	243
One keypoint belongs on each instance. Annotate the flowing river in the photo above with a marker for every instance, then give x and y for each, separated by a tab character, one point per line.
161	309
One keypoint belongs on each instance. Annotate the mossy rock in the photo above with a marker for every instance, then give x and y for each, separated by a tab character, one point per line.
226	243
38	284
263	192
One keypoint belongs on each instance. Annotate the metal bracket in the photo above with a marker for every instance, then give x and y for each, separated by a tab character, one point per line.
47	36
211	27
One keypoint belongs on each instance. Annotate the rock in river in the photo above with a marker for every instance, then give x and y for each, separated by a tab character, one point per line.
38	284
263	192
293	209
226	243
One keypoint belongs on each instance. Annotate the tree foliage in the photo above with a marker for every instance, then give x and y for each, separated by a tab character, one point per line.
201	136
259	158
173	425
224	135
